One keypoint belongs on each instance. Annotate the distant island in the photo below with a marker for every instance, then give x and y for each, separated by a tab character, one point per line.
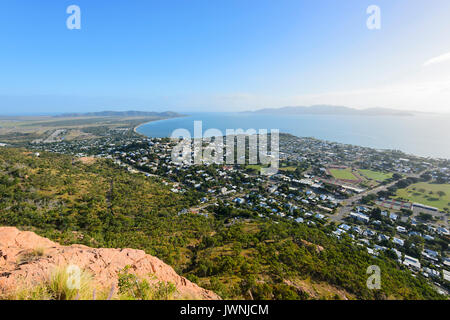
131	113
334	110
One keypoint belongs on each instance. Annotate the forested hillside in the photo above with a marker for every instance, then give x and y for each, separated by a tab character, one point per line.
100	204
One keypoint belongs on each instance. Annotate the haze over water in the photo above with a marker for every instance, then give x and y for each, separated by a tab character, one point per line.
422	135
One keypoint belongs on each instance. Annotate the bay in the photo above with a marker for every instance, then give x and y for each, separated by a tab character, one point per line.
423	135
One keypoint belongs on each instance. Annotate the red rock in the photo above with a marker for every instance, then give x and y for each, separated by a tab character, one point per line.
103	263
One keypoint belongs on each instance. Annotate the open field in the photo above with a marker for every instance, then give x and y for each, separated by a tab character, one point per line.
428	194
18	130
253	167
342	174
290	168
375	175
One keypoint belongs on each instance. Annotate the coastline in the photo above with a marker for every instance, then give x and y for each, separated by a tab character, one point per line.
136	127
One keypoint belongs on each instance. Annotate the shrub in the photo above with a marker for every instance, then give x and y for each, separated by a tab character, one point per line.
56	287
30	256
132	287
60	287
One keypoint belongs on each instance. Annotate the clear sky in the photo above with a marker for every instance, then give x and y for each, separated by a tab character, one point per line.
223	55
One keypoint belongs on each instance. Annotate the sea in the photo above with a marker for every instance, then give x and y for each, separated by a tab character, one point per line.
426	135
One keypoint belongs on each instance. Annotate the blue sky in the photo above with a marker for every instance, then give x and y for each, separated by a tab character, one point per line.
222	55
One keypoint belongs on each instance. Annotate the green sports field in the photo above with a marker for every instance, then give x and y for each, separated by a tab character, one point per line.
290	168
420	192
375	175
343	174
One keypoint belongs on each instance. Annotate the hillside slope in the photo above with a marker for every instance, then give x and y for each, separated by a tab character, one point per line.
98	204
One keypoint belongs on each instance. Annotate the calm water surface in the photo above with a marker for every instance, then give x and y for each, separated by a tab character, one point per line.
423	135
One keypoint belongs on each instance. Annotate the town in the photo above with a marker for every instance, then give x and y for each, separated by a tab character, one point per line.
386	201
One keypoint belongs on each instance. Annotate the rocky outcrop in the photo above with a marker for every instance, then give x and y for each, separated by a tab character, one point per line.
44	255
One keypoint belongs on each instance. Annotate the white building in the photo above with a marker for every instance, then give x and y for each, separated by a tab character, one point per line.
359	217
411	262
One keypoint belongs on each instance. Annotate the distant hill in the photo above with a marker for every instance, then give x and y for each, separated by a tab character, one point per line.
120	114
335	110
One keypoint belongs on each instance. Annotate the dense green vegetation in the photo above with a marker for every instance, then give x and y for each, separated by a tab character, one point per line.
233	252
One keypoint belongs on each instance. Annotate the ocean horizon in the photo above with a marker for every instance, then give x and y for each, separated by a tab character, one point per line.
422	135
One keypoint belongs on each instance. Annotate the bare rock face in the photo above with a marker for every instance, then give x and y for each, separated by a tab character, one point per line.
104	264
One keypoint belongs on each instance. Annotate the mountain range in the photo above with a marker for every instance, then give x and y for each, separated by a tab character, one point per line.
130	113
335	110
